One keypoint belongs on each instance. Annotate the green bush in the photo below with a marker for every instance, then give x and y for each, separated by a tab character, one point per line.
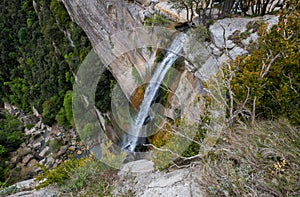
271	71
86	176
11	137
157	20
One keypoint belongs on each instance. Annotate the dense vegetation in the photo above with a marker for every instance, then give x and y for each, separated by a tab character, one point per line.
38	58
41	49
10	139
268	78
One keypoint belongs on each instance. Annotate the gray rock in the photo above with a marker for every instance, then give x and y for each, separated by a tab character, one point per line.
27	158
145	2
44	151
36	145
23	151
215	50
209	68
252	38
72	148
139	166
44	192
62	150
230	25
236	51
179	182
32	163
50	162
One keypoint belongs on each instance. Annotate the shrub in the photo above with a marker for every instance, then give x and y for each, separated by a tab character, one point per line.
10	139
157	20
271	71
258	160
86	176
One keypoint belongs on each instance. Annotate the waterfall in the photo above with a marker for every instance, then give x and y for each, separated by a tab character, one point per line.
151	90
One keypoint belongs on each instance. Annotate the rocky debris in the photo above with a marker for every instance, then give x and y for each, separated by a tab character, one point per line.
45	145
26	189
21	115
145	182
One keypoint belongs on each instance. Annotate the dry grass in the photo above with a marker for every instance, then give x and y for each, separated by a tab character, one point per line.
258	160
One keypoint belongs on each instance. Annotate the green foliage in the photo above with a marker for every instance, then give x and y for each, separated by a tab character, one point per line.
136	75
68	106
157	20
178	145
33	67
87	175
54	146
9	190
258	160
271	71
49	109
159	57
103	91
10	139
60	118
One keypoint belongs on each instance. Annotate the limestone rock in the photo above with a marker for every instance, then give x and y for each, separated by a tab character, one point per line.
72	148
23	151
236	51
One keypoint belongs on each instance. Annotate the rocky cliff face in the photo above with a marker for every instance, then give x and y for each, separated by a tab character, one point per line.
111	21
102	19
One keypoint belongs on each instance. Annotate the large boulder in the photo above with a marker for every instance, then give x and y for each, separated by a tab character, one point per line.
139	178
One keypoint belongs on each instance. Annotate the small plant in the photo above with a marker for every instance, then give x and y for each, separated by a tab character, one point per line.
157	20
158	58
54	146
87	176
9	190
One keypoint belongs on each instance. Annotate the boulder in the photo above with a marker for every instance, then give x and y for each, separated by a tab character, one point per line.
32	163
44	151
27	158
222	29
23	151
144	182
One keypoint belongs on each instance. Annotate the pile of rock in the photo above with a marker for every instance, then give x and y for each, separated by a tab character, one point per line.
44	145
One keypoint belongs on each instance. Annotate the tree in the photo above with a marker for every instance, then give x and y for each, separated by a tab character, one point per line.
271	72
187	5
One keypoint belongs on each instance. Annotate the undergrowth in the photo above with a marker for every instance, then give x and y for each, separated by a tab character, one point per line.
258	160
79	177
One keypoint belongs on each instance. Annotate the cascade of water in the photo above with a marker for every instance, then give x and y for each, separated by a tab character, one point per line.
151	90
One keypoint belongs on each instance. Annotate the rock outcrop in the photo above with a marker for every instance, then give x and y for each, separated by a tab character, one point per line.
139	179
27	189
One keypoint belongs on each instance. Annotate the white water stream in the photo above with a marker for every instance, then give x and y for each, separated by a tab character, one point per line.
151	90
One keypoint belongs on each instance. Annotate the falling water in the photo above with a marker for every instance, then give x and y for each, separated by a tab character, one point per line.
151	90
